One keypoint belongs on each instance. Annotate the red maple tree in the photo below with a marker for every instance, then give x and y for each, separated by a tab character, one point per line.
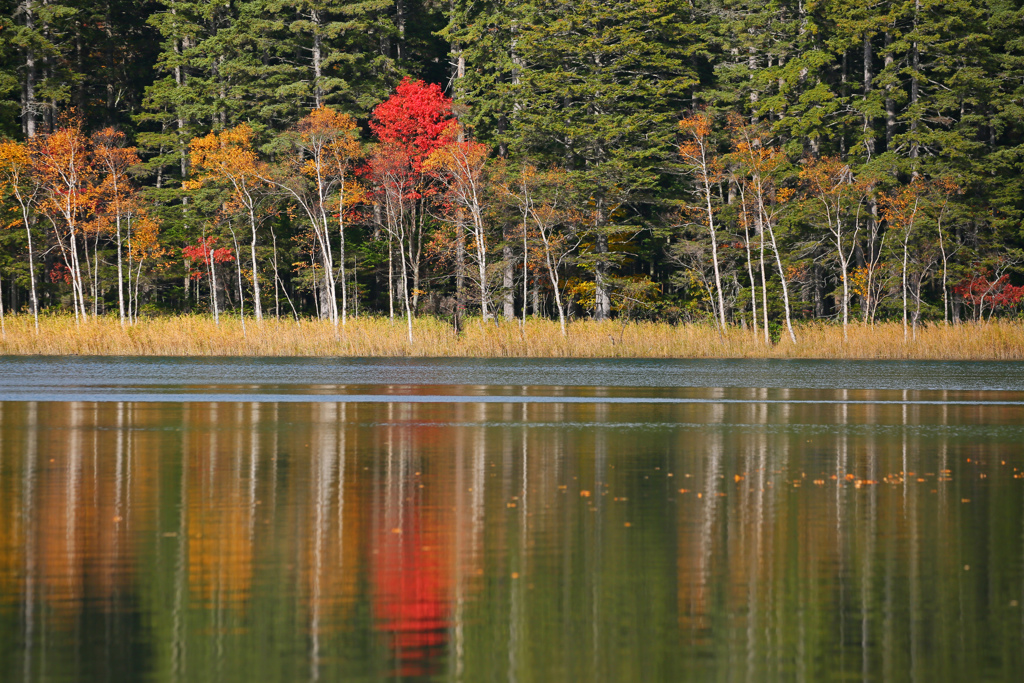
410	125
978	292
201	251
415	119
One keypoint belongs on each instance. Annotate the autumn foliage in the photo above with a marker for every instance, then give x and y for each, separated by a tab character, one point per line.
425	218
414	119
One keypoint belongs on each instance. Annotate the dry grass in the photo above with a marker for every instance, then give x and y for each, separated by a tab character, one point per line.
199	336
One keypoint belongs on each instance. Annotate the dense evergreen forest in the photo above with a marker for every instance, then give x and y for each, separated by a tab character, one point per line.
752	163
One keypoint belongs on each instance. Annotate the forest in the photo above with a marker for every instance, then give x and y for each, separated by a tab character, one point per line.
752	164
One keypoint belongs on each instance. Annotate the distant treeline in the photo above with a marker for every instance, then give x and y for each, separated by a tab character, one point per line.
747	163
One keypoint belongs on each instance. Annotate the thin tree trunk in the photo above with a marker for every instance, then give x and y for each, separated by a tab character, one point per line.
508	283
869	132
846	293
277	279
481	249
238	270
317	58
255	275
31	257
179	82
460	213
785	288
553	276
120	273
714	238
355	284
28	109
750	270
905	253
213	284
602	300
890	103
945	286
138	278
188	284
460	266
400	18
405	295
78	289
341	257
764	284
391	277
95	275
3	322
526	272
915	64
414	261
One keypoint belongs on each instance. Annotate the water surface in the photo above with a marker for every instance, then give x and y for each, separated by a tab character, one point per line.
467	520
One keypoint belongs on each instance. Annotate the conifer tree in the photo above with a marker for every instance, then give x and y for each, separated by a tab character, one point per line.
599	90
335	53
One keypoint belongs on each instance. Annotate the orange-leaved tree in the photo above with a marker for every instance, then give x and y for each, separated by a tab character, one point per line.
229	160
62	163
16	178
116	194
697	152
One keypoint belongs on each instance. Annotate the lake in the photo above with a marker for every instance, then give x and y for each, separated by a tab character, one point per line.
473	520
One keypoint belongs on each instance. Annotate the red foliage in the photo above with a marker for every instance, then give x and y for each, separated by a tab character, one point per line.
411	596
415	119
391	170
60	273
997	293
201	251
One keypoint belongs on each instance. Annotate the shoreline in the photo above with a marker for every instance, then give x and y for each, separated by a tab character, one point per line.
198	335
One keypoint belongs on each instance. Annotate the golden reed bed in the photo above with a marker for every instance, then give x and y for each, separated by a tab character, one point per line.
200	336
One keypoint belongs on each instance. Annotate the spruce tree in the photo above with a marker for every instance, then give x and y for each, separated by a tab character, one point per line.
335	50
600	89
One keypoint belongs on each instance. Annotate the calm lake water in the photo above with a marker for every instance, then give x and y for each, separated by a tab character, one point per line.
467	520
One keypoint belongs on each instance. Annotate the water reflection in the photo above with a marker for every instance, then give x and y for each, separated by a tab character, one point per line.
469	541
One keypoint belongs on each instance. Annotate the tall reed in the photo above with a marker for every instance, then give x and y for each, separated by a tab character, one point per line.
193	335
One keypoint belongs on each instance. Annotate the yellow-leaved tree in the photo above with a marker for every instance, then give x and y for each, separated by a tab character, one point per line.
227	159
318	173
16	178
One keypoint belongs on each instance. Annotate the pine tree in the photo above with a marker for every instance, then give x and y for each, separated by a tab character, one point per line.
335	49
599	91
